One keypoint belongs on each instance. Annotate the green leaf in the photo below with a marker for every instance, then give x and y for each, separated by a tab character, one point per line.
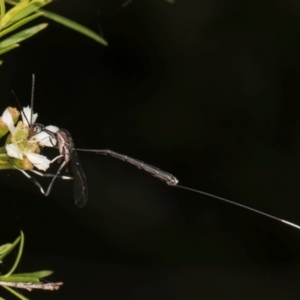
3	248
22	10
6	49
20	23
22	35
19	279
75	26
2	9
37	274
18	256
9	249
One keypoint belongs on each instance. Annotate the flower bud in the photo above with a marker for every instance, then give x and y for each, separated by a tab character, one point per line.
5	162
23	164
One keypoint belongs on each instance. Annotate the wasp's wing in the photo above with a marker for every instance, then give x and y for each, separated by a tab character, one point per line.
80	185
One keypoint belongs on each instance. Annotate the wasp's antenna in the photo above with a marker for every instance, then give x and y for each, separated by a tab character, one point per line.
19	105
32	98
240	205
16	98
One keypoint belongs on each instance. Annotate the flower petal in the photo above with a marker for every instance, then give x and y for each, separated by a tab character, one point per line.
52	128
27	117
14	151
8	120
41	162
45	139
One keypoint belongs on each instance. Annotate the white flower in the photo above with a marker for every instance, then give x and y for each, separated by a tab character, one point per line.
41	162
28	116
45	139
14	151
8	120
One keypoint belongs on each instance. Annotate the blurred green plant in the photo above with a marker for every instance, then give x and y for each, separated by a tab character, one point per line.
27	281
24	11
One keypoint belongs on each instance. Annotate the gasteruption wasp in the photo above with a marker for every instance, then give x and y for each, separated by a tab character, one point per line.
68	157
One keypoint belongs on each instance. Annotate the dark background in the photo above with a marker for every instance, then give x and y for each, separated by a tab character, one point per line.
206	90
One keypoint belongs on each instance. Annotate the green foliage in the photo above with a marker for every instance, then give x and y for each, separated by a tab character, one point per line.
23	12
10	276
13	40
75	26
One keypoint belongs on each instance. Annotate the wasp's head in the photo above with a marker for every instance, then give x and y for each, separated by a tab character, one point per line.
35	129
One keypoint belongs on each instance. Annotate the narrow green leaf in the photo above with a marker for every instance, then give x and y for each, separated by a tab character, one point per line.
75	26
12	2
18	6
6	49
20	23
22	10
18	256
3	248
1	62
22	35
37	274
2	9
13	245
19	279
15	293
